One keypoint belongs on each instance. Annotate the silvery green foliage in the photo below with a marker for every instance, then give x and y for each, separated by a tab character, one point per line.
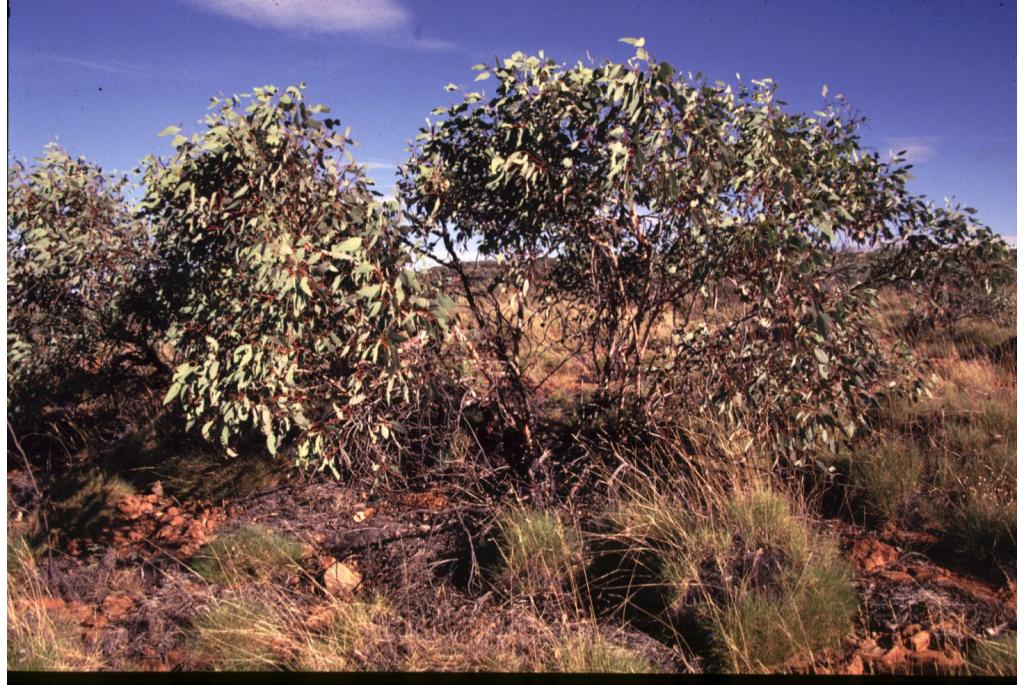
287	289
650	199
74	249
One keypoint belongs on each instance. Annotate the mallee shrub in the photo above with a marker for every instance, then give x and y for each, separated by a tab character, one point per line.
692	232
75	251
286	289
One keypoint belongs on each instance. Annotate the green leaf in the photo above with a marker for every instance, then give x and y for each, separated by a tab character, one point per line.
172	392
349	244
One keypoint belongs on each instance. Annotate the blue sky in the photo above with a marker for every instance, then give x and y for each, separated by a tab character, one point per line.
935	77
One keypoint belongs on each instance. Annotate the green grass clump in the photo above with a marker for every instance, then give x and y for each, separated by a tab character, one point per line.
86	503
804	601
810	609
593	654
754	574
538	552
996	657
244	554
886	476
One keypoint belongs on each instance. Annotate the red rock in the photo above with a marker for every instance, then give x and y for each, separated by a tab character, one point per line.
895	656
856	666
342	579
894	576
51	603
869	554
920	641
933	662
321	618
911	629
116	606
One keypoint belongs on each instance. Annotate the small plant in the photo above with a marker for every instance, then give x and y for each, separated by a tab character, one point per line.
586	653
244	554
240	635
539	553
85	504
886	476
997	657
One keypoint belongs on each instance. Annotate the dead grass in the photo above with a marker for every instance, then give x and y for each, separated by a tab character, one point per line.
591	653
41	634
280	632
509	639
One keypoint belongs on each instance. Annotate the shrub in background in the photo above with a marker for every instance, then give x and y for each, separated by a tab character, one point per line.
75	252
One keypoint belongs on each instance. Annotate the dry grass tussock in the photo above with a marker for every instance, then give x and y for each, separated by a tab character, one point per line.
949	459
748	567
41	634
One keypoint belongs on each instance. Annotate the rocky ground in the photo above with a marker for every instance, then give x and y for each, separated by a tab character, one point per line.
131	592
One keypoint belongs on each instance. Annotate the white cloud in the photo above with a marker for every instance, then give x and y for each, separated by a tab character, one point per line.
105	67
324	16
380	18
433	44
919	149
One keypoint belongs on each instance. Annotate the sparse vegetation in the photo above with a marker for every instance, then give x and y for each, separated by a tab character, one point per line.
538	552
41	634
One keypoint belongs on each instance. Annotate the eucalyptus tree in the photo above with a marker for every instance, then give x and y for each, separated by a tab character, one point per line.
75	251
285	285
683	234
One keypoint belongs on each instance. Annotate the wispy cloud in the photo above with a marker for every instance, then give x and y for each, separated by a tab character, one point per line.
388	19
433	44
919	149
105	67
